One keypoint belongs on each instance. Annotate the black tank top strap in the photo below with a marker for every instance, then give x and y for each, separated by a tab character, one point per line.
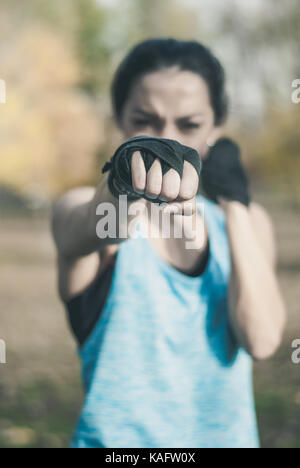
84	309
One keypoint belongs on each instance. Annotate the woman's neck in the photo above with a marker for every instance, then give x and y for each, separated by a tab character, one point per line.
180	240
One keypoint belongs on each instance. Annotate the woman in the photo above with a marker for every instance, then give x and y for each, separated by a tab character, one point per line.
167	333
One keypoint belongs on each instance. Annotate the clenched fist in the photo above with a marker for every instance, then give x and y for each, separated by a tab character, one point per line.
157	169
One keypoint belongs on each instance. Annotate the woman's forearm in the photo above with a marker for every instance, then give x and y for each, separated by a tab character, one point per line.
257	311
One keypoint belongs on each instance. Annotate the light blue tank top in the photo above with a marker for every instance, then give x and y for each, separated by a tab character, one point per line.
161	368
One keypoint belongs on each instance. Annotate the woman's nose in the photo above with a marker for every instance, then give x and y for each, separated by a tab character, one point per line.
170	133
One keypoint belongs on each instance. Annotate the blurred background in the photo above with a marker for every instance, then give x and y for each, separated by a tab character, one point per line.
56	129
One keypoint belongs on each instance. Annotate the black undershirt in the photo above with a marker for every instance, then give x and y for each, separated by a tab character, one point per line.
85	309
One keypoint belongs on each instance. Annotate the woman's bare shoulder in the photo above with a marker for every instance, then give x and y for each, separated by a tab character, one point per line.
75	196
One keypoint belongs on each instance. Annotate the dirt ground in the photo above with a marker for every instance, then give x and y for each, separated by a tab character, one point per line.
40	390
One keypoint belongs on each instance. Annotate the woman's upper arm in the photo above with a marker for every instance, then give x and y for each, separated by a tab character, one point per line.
63	214
74	273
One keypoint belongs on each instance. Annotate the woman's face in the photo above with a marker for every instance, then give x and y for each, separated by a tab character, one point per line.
171	103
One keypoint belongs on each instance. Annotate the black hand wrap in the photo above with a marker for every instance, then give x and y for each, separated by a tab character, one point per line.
171	154
223	174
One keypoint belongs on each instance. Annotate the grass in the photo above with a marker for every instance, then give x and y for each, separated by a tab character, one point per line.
40	389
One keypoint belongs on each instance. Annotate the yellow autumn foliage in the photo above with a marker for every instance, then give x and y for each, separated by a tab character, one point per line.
49	130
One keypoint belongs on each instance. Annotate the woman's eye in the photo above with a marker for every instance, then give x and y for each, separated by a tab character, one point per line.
189	125
140	122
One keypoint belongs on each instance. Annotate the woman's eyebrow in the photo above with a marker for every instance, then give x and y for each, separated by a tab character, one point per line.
143	112
155	116
185	117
